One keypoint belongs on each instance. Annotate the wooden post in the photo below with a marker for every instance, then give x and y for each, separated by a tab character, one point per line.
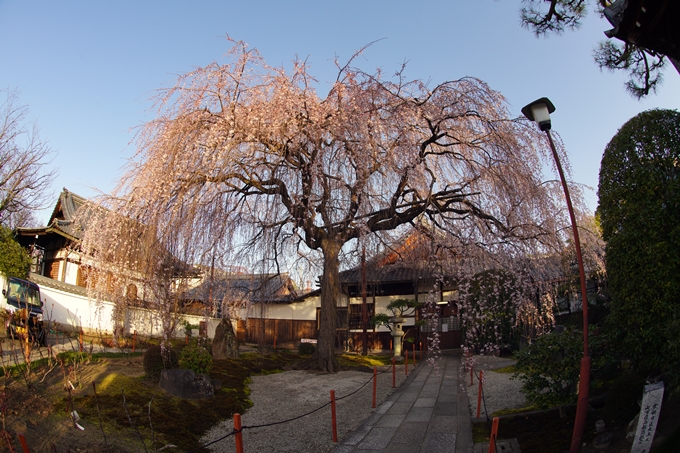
24	445
80	340
421	351
494	435
375	384
333	419
414	354
238	438
394	373
479	393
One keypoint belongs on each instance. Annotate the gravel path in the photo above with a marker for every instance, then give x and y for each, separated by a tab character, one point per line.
282	396
500	392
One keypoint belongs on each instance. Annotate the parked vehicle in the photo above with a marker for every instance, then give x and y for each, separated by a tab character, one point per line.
25	310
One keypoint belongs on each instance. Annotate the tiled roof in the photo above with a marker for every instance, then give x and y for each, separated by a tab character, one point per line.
63	218
43	281
412	260
251	287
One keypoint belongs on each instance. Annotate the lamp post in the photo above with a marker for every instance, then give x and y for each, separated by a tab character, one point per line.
540	111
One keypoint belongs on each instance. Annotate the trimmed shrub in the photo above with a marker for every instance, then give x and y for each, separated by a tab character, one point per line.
549	368
196	358
639	211
306	348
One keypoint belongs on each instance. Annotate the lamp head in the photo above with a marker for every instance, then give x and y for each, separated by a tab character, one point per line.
539	111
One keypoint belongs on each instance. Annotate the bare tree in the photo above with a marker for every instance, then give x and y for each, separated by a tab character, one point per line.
131	267
24	158
248	159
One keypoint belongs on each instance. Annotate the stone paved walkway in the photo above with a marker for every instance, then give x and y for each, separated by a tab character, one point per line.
428	413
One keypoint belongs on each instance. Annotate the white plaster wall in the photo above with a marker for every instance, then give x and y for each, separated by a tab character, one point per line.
303	311
74	312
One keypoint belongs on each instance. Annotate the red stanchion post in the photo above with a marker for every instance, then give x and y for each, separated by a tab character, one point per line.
333	419
391	347
80	340
421	351
375	385
238	438
479	393
24	445
186	339
406	362
494	435
394	373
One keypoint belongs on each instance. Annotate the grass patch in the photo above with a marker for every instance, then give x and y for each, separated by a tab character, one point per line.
506	370
175	421
355	361
518	410
480	432
75	356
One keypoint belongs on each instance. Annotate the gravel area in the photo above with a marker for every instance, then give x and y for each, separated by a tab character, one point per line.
499	391
283	396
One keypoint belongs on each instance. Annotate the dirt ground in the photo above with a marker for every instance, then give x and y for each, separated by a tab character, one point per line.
125	411
37	405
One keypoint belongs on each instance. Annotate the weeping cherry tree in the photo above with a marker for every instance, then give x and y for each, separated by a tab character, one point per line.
250	160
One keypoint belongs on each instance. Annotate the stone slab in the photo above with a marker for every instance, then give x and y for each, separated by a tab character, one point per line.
440	443
377	439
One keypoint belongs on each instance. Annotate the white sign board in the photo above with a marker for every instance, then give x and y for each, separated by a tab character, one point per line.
649	416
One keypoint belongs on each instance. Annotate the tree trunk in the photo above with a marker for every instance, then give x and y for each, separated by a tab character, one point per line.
330	289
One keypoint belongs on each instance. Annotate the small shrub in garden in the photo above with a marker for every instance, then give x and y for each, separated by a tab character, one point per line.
306	348
549	368
196	358
154	362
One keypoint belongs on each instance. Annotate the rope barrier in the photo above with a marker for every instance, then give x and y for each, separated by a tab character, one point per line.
486	412
265	425
233	432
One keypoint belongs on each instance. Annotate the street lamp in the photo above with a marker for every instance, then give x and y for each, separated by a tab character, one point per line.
540	111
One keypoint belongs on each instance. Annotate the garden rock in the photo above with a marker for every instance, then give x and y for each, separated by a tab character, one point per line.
225	344
603	441
187	384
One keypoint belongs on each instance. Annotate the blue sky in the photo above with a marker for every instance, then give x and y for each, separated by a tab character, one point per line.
86	69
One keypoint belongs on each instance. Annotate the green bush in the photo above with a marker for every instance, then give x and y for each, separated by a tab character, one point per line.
14	259
196	358
639	210
549	368
306	348
154	362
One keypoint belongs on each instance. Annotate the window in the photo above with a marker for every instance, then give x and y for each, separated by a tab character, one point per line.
341	321
356	315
